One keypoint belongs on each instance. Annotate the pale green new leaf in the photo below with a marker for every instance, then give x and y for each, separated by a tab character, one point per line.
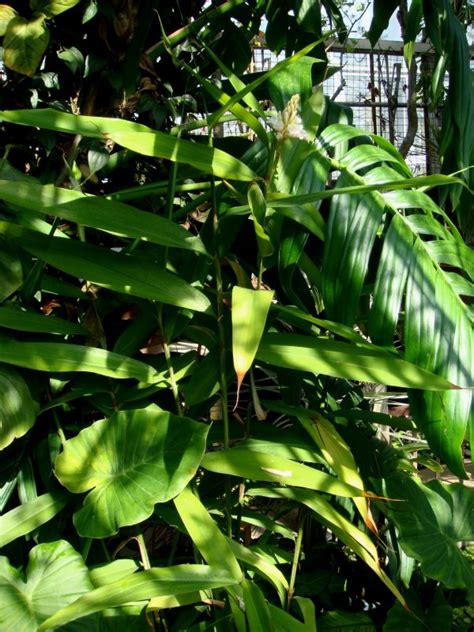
155	582
18	410
52	7
27	517
249	315
130	461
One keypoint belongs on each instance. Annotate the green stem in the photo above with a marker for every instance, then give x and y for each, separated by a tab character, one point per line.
143	551
169	363
296	559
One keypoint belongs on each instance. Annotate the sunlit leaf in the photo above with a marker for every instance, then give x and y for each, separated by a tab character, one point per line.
27	517
56	575
60	357
130	461
156	582
205	534
340	359
24	44
249	314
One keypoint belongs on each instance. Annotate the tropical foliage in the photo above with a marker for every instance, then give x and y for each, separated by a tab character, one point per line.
192	323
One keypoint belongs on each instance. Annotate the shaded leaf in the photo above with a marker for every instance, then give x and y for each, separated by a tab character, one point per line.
60	357
17	408
124	273
431	523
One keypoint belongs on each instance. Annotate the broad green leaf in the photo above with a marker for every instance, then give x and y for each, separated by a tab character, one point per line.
98	212
7	13
55	576
156	582
12	317
63	357
350	234
24	44
258	209
258	466
130	461
249	315
11	273
138	138
27	517
176	601
18	410
438	617
432	522
205	534
52	7
124	273
340	359
439	339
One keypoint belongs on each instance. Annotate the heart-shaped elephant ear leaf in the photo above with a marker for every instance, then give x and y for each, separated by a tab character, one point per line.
17	407
432	522
56	576
130	461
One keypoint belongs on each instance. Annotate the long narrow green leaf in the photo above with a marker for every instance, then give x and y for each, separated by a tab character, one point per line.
55	356
273	71
205	534
18	319
138	138
97	212
340	359
258	466
28	517
351	231
156	582
356	539
113	270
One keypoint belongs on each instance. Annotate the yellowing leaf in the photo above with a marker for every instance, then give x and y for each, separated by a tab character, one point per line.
24	44
7	14
249	315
